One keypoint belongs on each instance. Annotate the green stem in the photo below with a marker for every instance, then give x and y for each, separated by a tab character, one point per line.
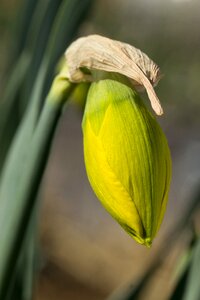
24	195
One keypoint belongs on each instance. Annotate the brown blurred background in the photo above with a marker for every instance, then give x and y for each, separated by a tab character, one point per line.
84	252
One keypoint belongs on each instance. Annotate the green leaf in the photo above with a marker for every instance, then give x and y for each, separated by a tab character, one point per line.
13	105
70	15
182	271
21	180
9	110
27	156
22	22
192	288
23	275
40	30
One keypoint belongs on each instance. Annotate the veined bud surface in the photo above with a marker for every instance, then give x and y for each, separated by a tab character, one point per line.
127	157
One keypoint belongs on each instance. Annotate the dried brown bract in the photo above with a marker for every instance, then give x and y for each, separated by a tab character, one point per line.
95	52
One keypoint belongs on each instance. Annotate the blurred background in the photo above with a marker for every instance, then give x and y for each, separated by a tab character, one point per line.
84	253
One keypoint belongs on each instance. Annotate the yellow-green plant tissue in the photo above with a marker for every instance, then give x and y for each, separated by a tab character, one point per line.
127	157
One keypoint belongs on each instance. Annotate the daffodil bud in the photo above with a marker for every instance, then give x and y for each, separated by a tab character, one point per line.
126	153
127	157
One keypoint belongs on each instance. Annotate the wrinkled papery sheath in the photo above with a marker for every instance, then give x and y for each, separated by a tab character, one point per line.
95	52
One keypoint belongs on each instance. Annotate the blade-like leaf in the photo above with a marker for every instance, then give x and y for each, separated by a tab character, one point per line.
9	111
70	15
15	200
18	196
22	277
192	288
23	22
12	106
41	28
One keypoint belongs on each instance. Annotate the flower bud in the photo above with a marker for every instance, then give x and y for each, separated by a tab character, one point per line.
127	157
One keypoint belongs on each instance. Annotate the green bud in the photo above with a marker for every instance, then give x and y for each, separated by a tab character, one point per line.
127	157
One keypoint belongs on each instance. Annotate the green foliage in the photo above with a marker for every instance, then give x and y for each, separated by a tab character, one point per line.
28	119
192	289
27	126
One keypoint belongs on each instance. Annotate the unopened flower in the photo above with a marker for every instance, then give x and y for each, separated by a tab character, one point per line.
126	153
127	158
